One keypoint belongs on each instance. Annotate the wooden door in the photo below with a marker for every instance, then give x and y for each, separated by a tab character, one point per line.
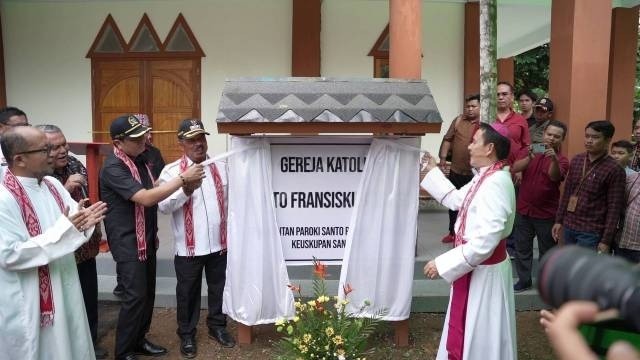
175	96
117	90
168	91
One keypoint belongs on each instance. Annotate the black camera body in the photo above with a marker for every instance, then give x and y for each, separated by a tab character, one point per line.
574	273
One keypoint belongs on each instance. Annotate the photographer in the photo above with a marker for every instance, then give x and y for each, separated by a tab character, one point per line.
562	329
543	170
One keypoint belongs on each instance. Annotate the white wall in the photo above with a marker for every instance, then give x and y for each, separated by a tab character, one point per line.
48	76
45	44
350	28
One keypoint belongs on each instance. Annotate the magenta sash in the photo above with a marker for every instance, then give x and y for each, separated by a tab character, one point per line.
459	300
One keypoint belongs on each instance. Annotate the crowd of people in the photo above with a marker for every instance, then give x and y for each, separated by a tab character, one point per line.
598	209
52	234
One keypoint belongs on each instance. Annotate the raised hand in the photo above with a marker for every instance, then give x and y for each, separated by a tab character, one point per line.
87	217
193	175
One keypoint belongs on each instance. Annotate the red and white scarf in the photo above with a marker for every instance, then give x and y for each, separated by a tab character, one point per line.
460	291
187	210
30	218
139	208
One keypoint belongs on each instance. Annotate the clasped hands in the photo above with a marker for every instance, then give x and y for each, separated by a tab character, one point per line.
87	217
431	271
192	178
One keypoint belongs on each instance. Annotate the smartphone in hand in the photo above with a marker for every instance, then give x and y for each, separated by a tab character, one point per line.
538	148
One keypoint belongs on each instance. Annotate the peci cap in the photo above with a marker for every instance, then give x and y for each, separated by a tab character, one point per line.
189	128
545	103
127	126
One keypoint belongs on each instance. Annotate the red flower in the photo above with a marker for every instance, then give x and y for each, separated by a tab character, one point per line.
347	289
319	268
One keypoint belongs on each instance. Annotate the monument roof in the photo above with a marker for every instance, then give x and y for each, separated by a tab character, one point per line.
327	100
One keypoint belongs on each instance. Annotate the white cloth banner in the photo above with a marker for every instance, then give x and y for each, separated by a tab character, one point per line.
256	289
380	254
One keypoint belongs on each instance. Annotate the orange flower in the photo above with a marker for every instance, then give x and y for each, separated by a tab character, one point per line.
319	268
347	289
295	288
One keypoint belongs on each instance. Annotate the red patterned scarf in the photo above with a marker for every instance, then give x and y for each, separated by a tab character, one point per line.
139	208
460	292
187	210
30	218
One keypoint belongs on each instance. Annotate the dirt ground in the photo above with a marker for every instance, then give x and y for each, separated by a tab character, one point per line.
424	328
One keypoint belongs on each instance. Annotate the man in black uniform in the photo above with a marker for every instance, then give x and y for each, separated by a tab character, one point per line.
126	185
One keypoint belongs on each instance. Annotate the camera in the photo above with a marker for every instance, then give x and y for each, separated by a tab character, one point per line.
574	273
538	148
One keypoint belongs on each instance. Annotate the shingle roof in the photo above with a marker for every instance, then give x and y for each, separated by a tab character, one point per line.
327	100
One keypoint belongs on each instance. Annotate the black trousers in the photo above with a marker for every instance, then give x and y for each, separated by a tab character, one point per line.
89	284
188	290
458	181
138	280
525	229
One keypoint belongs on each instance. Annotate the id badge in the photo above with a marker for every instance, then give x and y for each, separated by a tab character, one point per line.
573	202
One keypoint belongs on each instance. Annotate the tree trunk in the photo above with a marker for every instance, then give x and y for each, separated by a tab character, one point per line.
488	62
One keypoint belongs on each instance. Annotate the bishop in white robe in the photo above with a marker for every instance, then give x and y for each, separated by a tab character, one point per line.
480	320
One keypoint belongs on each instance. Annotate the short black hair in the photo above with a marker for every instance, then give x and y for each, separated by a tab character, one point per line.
8	112
505	83
472	97
604	127
625	144
500	143
528	93
558	124
12	143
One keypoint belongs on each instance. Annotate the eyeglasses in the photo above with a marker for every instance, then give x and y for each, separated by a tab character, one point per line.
45	150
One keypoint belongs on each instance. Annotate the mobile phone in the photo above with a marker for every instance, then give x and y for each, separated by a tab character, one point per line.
538	148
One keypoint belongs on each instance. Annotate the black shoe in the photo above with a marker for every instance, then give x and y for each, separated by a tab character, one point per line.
188	348
147	348
222	336
101	353
521	286
118	291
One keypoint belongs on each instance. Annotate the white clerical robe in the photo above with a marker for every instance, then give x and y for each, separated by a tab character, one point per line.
490	330
21	336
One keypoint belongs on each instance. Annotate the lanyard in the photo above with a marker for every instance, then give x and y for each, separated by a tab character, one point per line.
584	167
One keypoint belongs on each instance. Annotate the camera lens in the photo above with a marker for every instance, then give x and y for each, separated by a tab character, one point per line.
575	273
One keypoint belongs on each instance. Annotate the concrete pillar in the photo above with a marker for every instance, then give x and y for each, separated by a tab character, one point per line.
506	70
305	38
405	39
405	62
622	70
471	48
579	65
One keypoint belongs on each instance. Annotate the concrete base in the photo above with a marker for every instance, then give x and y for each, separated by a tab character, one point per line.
428	295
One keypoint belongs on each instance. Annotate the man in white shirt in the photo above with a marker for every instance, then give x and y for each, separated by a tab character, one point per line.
42	312
199	227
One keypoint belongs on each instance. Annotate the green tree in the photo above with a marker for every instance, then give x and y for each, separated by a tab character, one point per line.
532	70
